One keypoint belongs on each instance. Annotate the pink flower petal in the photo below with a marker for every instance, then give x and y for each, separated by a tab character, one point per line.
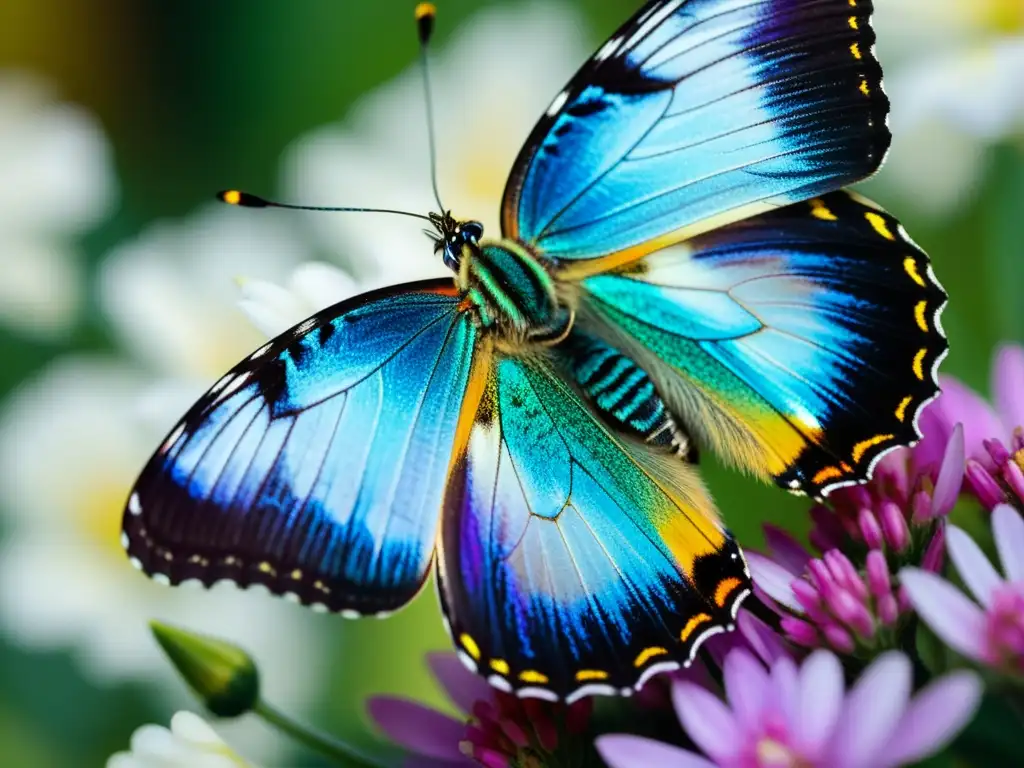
1008	385
773	579
782	695
764	641
462	686
961	404
707	720
951	474
871	712
974	568
622	751
417	728
786	550
933	718
820	700
935	432
745	682
1008	531
957	621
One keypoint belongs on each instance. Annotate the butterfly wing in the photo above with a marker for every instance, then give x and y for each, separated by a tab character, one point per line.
800	344
567	567
316	467
694	114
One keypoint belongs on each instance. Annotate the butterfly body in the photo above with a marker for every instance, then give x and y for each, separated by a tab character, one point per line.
676	269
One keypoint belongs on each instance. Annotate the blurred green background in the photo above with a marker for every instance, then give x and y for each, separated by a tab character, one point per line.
119	286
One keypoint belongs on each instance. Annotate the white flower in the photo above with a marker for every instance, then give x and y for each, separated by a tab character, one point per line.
953	71
311	287
190	742
491	84
57	183
73	441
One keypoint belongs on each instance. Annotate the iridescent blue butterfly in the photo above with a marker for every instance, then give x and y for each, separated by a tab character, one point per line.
676	269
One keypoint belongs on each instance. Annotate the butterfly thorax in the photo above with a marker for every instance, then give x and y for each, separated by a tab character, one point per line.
512	294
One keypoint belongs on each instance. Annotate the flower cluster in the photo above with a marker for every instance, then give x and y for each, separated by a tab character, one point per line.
499	730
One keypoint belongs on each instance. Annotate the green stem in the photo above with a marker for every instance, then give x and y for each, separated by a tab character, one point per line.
330	746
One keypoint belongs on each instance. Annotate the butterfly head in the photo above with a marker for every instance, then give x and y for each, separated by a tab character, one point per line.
452	236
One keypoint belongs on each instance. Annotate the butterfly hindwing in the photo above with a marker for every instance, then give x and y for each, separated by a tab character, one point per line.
566	567
316	467
800	344
694	114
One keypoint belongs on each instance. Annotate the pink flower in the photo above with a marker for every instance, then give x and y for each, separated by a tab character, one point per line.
790	717
832	603
895	510
849	599
991	630
994	437
501	730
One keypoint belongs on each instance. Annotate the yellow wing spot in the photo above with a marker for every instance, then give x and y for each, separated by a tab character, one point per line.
910	267
879	225
590	674
647	654
533	676
901	409
853	3
855	50
919	315
866	91
268	569
425	9
692	624
470	645
500	666
853	23
821	211
232	197
919	363
828	473
724	589
296	575
864	445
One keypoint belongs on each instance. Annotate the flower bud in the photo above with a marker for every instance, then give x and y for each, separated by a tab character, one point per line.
222	675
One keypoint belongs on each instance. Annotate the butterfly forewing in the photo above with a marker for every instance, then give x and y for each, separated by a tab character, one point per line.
317	466
694	114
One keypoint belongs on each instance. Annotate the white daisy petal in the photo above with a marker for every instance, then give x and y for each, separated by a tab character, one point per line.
189	743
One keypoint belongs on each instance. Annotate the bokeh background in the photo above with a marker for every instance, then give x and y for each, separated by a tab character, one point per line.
124	290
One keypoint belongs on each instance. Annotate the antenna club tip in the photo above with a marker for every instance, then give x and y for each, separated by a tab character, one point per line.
243	199
425	14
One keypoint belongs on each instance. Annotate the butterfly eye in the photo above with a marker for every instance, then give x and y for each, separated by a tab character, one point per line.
472	231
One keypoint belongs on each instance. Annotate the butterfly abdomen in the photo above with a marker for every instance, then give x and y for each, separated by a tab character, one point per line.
622	393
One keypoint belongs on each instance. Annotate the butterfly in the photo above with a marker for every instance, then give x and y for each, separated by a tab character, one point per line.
677	269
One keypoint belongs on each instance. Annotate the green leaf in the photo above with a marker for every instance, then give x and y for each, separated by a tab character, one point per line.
994	737
1004	241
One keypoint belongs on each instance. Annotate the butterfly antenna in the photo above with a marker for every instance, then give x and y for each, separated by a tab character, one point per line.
247	200
425	15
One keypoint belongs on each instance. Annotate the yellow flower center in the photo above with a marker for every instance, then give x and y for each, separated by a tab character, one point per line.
97	514
1001	16
1018	459
774	754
